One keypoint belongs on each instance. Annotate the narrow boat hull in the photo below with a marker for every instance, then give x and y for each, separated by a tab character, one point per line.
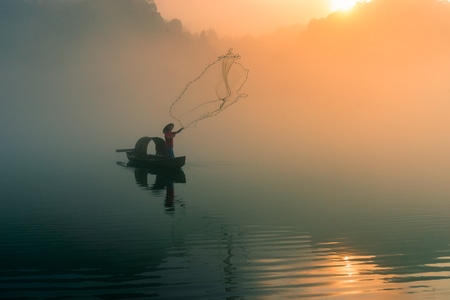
156	161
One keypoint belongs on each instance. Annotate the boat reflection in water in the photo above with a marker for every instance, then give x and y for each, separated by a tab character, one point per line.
165	179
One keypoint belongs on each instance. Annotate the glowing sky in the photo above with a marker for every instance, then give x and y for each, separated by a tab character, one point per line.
237	17
366	89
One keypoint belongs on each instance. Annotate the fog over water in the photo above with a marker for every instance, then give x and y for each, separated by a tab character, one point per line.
363	92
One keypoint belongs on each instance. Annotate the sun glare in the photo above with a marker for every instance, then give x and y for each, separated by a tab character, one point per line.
344	5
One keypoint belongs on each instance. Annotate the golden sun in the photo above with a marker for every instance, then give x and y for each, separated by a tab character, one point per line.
344	5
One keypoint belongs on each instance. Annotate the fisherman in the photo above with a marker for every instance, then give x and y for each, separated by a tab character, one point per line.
168	136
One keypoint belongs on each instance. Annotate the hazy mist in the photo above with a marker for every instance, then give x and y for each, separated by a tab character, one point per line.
359	93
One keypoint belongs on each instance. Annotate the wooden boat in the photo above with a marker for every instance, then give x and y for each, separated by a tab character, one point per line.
156	160
139	156
163	175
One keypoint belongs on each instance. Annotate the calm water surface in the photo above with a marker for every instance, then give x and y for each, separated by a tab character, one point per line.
79	227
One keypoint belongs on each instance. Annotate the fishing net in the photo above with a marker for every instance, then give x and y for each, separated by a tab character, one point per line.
216	88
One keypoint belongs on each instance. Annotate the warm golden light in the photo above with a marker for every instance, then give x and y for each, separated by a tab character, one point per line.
344	5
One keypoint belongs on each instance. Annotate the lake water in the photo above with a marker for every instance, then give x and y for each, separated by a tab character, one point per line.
87	226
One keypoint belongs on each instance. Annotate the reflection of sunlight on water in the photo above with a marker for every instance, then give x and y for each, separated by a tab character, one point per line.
389	253
433	278
302	269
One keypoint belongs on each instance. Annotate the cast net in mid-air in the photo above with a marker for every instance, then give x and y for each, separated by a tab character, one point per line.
216	88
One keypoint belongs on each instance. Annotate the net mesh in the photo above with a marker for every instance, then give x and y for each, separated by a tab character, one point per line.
216	88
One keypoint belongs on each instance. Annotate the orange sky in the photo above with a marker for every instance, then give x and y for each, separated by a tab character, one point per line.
367	89
237	17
